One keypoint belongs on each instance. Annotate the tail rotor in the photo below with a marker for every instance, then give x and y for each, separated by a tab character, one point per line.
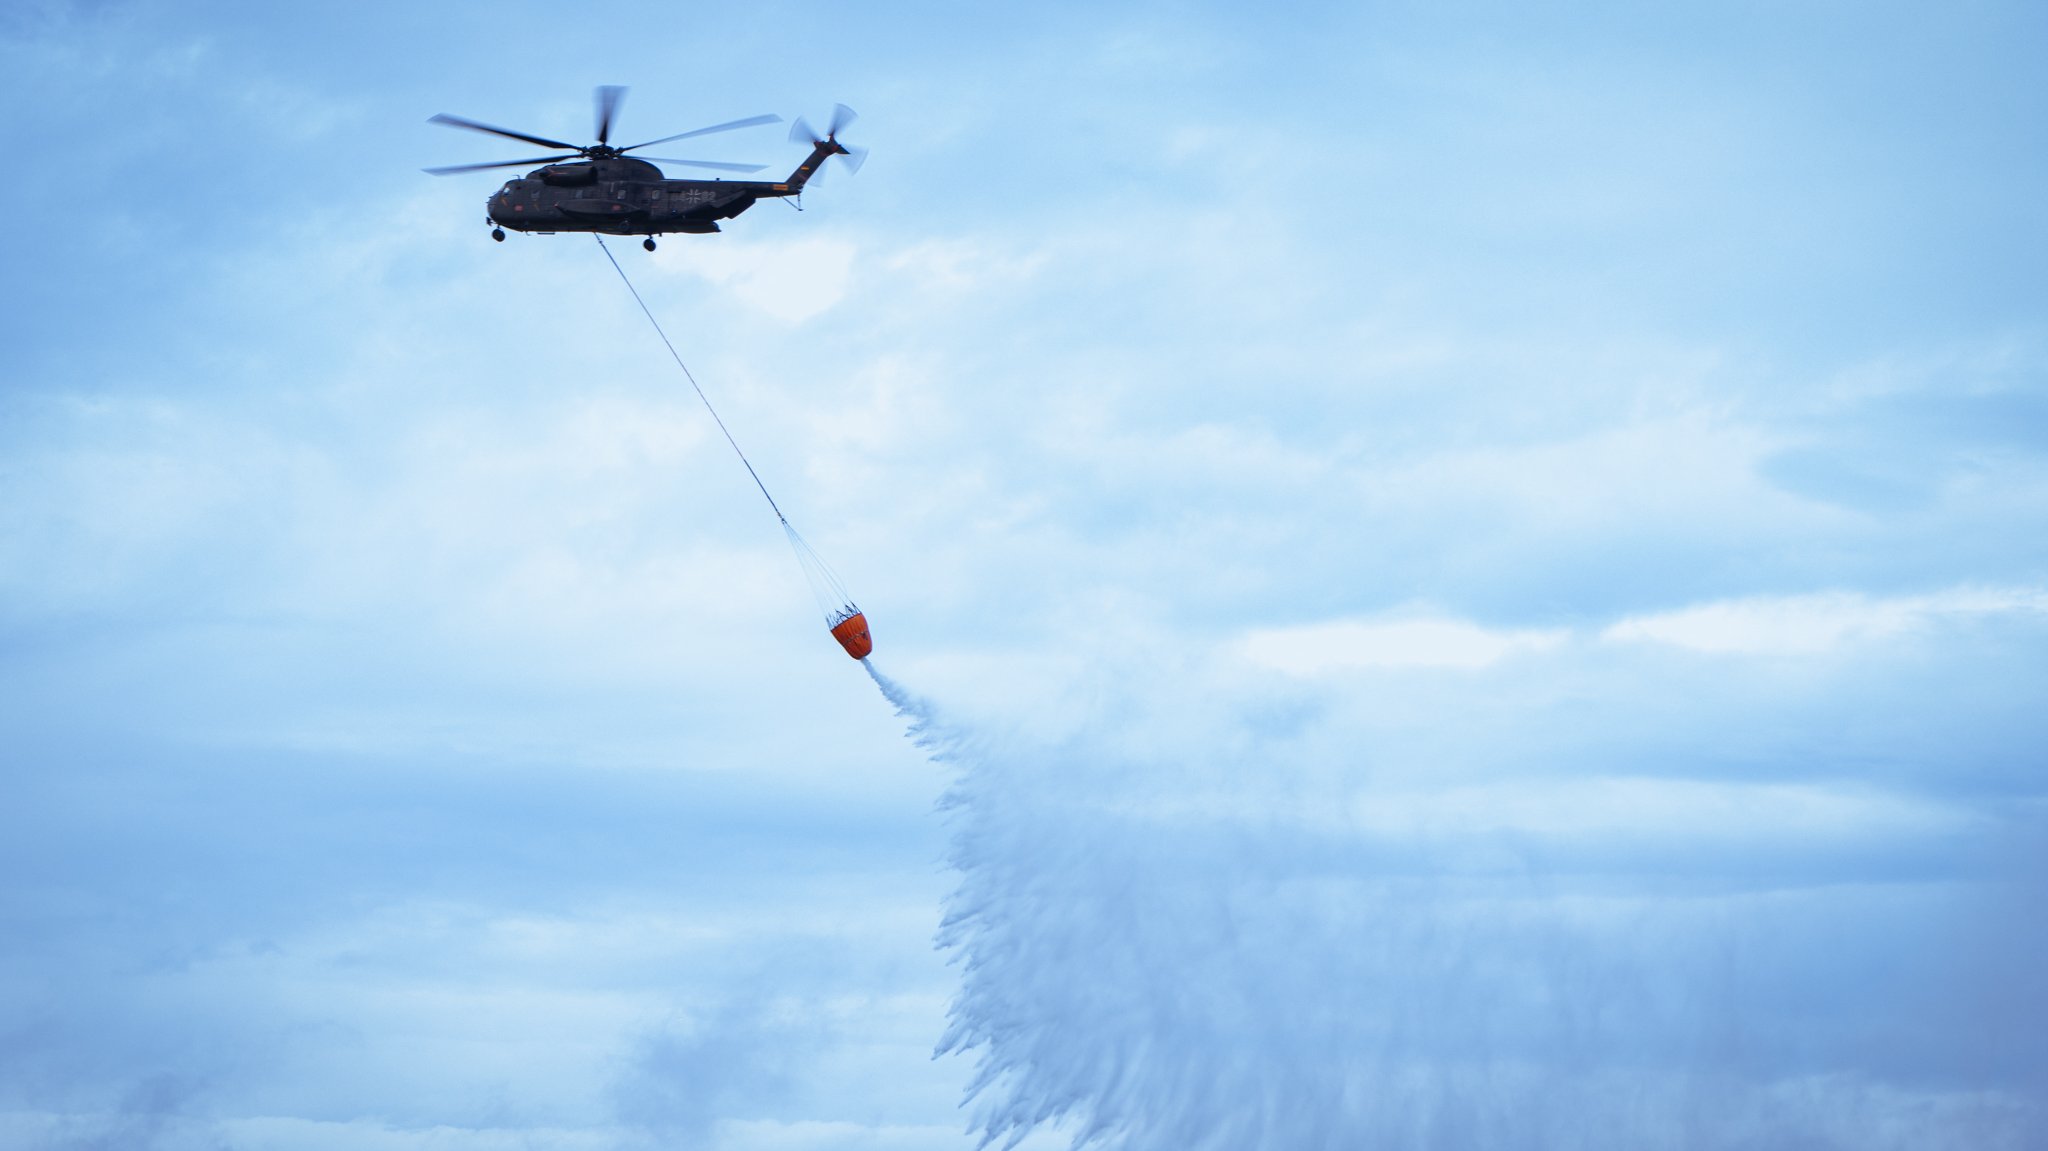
801	132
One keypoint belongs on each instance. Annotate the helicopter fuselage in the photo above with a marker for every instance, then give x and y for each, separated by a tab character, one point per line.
622	196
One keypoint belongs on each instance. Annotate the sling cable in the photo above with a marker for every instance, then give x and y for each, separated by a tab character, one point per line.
848	623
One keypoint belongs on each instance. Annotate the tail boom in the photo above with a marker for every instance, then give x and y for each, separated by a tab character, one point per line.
821	151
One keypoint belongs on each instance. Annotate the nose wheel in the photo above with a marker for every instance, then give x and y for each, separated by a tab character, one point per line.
498	234
648	243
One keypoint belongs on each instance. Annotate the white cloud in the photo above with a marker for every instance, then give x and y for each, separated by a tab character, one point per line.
1816	623
1340	645
791	280
956	266
1809	624
1640	809
1584	481
1673	810
299	1134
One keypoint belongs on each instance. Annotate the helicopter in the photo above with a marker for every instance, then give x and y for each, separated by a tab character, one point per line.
601	189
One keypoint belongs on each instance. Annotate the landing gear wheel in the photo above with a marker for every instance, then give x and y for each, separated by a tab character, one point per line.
648	243
498	234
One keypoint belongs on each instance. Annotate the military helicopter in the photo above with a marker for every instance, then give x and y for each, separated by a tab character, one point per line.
601	189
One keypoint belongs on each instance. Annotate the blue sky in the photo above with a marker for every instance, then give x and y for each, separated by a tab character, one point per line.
1470	575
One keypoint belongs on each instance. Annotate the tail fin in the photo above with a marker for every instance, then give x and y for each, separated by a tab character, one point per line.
821	151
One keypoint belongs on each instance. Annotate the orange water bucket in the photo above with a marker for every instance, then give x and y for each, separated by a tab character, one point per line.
852	634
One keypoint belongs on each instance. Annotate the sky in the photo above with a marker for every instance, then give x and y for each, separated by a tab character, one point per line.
1444	576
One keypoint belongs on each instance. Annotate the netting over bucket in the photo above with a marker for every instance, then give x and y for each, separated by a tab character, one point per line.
833	599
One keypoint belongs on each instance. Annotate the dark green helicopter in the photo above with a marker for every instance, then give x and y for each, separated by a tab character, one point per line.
601	189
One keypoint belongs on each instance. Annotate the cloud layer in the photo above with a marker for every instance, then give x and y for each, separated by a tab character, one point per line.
1481	568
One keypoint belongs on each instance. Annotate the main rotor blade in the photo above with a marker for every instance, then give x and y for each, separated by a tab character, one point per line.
706	164
450	171
746	123
841	117
608	98
472	125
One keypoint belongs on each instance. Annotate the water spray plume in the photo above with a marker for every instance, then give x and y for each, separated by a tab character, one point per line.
1245	944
